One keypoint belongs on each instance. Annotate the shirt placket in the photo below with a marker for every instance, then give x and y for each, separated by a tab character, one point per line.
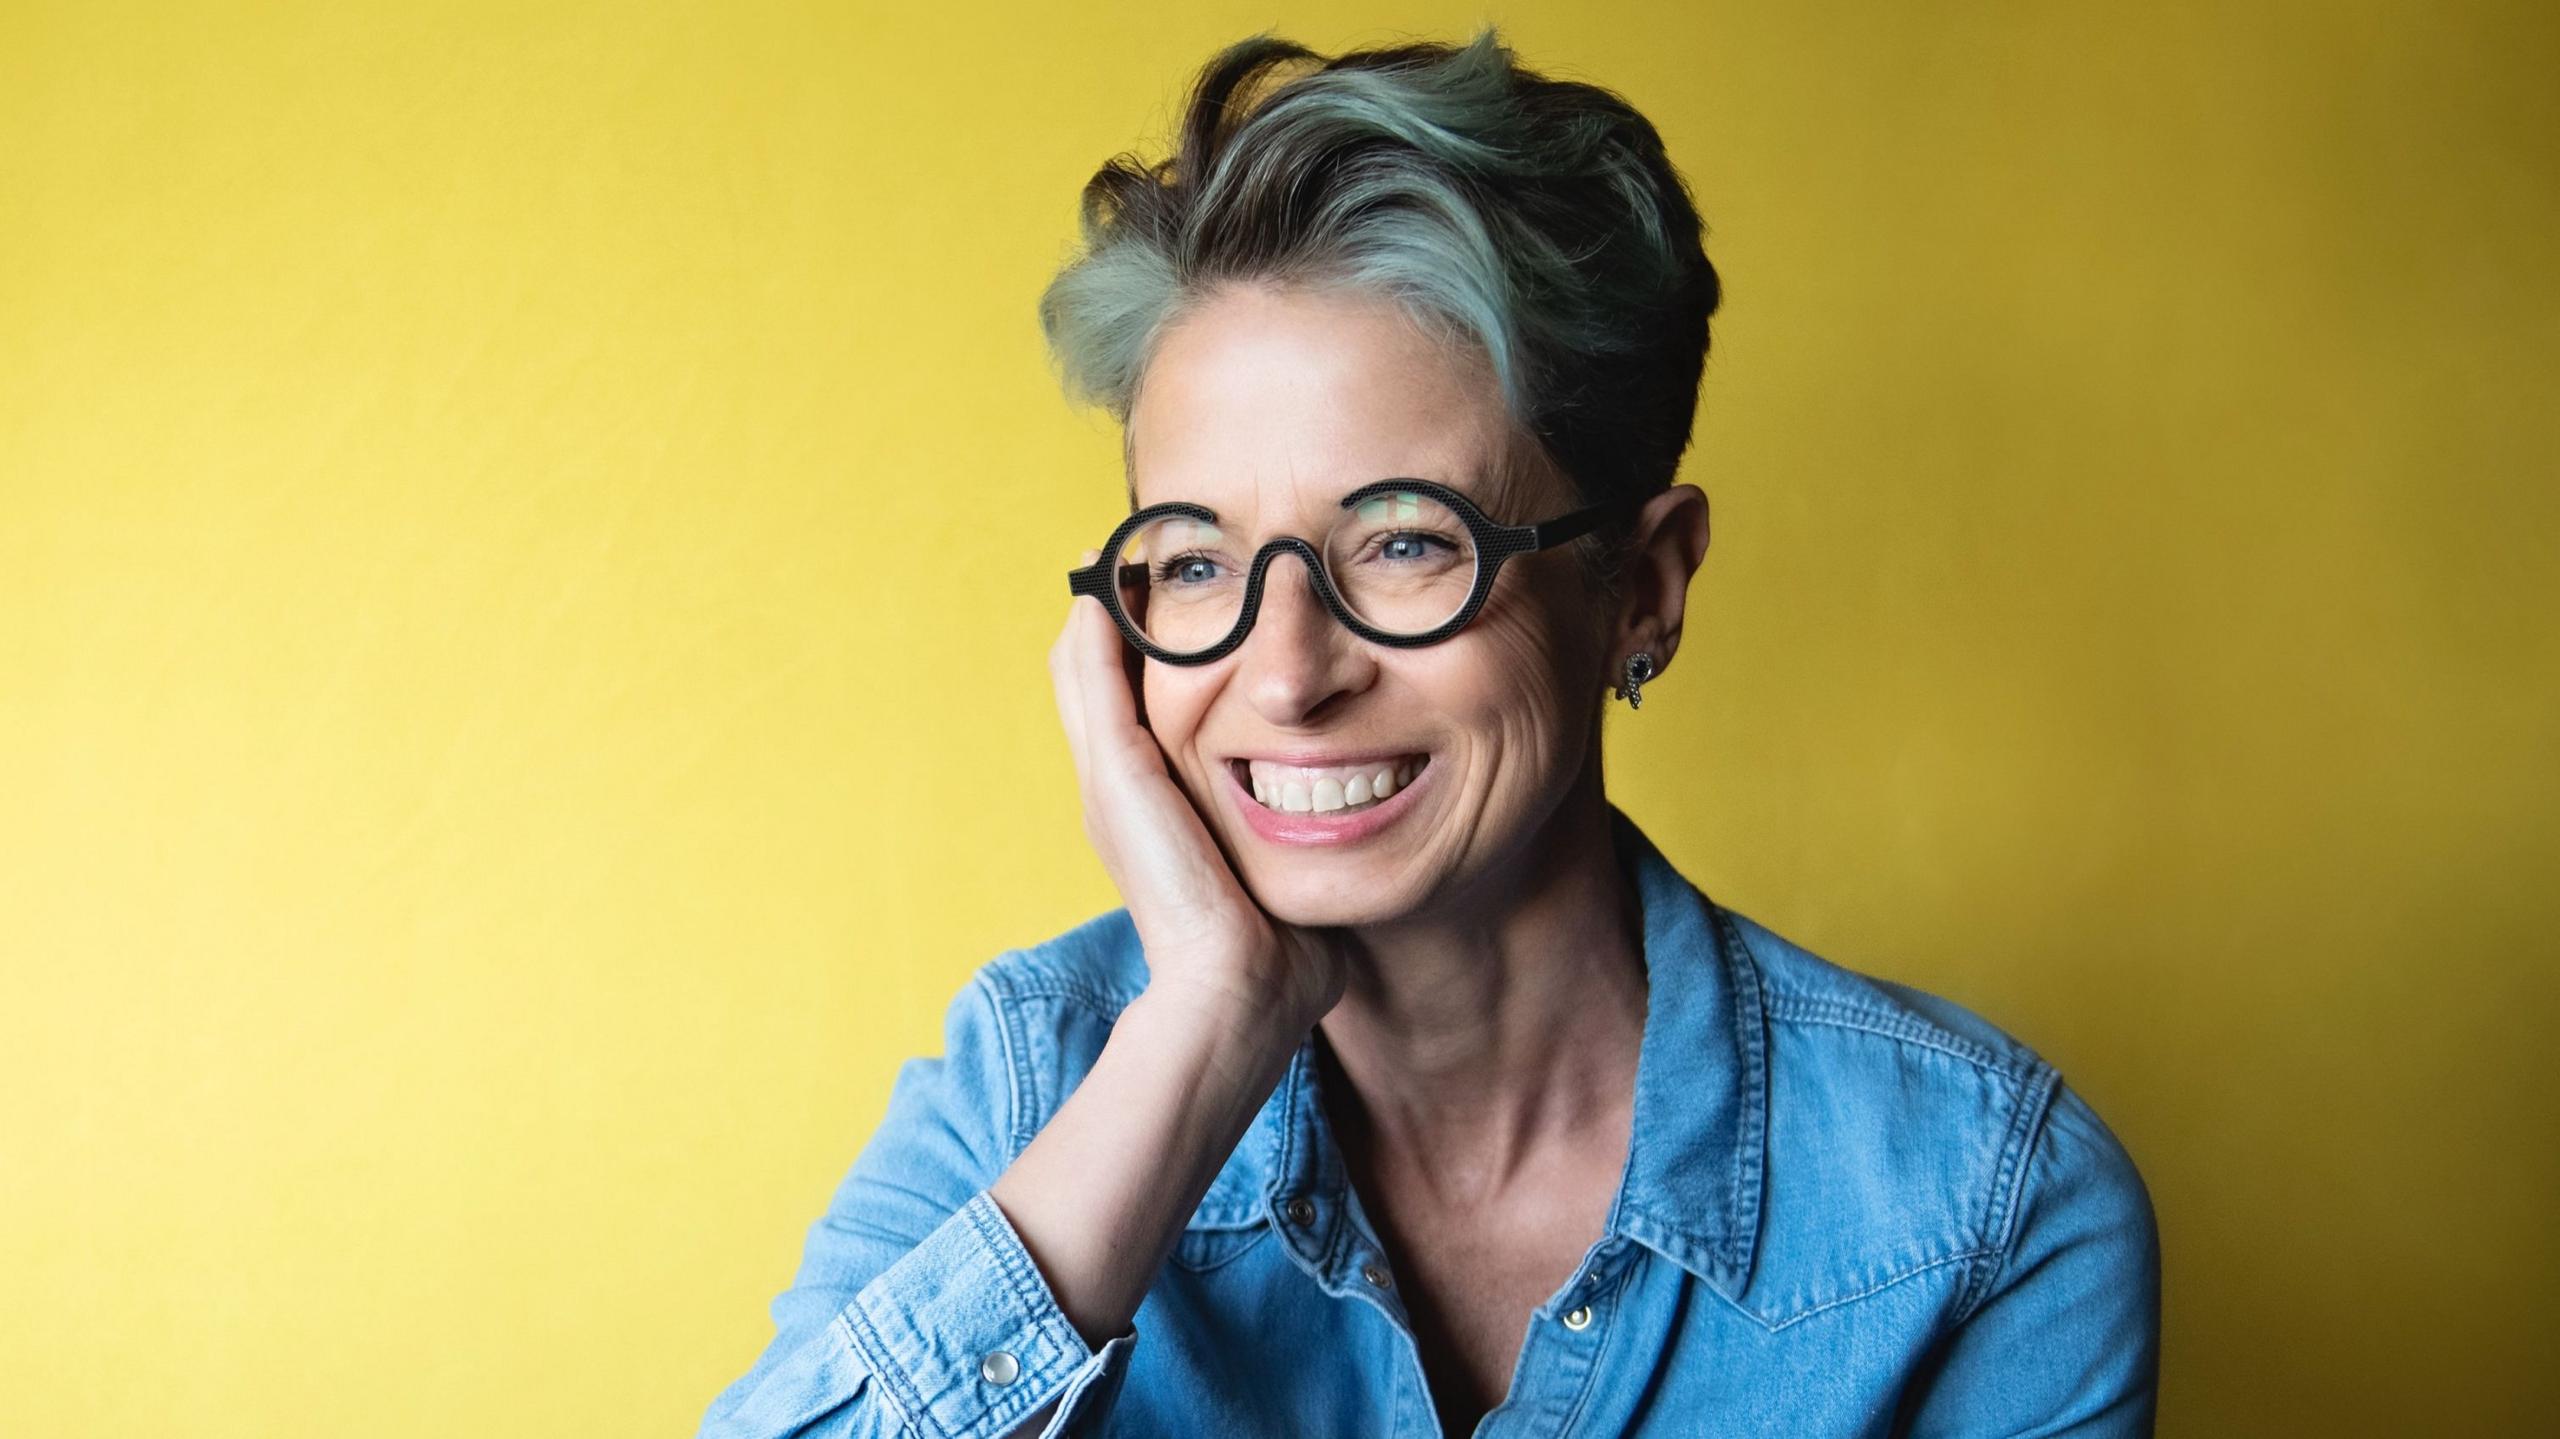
1321	1221
1560	1355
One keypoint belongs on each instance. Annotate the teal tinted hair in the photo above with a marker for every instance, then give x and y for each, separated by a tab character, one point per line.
1536	221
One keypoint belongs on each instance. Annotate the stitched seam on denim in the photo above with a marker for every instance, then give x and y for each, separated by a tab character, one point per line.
1093	1401
1733	1243
2026	1127
1655	1233
1909	1029
1345	1233
1748	1159
1052	965
1016	1073
1026	1289
1288	1124
1617	1303
1105	1002
1221	1221
1917	1033
1235	1249
1082	1383
1339	1244
1288	1166
1398	1403
1999	1220
900	1384
1873	1289
1022	1127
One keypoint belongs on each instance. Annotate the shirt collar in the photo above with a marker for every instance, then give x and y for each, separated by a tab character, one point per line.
1691	1186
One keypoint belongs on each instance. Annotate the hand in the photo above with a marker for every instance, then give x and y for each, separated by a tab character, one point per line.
1204	935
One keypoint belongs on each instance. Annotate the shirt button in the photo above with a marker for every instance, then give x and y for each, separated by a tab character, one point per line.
1578	1317
999	1368
1375	1274
1301	1212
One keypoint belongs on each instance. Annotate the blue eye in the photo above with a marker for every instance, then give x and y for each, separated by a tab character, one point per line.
1185	569
1411	545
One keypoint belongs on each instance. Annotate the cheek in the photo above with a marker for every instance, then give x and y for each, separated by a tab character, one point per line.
1174	701
1518	685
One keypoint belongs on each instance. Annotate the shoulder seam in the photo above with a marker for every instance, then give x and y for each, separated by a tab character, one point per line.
1026	978
988	986
2008	1187
1106	1003
1907	1029
1006	988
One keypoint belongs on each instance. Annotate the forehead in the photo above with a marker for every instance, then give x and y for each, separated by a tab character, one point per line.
1274	403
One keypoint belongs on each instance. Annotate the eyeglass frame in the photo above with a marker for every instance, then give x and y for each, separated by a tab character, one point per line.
1494	543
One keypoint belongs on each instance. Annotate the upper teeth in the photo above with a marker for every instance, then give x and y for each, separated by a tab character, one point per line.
1302	789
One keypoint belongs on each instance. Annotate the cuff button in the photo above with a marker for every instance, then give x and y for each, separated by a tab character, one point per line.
1579	1317
999	1368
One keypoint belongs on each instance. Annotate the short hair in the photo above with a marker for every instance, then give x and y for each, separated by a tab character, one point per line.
1538	221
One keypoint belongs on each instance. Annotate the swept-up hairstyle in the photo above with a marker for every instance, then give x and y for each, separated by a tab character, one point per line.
1537	221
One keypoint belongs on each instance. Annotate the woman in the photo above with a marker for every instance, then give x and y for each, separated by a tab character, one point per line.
1413	1092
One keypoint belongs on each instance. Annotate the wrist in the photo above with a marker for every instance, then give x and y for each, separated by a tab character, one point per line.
1236	1014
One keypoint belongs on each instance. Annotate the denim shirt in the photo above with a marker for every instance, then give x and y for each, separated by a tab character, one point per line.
1848	1208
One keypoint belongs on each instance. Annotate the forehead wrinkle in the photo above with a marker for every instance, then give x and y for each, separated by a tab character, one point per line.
1474	480
1492	485
1478	455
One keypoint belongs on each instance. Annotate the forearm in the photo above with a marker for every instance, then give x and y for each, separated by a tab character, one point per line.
1100	1196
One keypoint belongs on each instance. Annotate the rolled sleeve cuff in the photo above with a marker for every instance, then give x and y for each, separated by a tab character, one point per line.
965	1337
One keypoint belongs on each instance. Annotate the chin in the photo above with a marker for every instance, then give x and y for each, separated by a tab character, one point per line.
1320	906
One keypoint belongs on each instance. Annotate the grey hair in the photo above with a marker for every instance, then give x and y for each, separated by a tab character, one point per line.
1535	222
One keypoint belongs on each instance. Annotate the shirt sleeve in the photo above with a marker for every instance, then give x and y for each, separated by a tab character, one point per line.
2064	1336
917	1312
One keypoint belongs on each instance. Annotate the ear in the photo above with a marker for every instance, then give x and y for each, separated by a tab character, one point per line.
1665	548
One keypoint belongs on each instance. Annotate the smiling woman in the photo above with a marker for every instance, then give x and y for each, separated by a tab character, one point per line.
1412	1091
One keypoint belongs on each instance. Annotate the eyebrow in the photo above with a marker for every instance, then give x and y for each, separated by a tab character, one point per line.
1486	486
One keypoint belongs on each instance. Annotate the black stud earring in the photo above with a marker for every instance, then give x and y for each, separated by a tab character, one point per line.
1639	669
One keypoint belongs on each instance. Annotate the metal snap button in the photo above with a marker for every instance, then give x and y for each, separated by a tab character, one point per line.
1375	1274
1301	1212
999	1368
1578	1317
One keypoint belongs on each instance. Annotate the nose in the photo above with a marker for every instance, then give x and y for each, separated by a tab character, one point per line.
1297	658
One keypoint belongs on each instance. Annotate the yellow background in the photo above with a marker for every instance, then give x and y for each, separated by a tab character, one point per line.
528	537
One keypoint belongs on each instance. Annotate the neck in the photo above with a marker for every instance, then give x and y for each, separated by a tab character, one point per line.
1500	1034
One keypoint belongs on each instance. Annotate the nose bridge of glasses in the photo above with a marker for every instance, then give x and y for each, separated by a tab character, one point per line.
1267	556
1268	553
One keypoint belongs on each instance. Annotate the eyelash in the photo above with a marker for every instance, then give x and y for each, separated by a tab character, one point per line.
1163	571
1426	536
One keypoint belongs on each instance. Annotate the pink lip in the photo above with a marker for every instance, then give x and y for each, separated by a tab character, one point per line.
1320	829
1318	759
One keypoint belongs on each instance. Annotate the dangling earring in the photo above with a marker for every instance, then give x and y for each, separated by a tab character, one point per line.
1639	669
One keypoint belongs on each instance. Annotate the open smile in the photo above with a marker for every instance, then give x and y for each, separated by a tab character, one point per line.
1341	803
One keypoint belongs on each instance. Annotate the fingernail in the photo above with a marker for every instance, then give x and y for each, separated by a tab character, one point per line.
1090	556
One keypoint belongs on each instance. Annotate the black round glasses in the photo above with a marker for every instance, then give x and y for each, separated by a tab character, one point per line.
1406	563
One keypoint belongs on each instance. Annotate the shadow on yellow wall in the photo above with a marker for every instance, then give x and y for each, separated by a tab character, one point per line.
528	537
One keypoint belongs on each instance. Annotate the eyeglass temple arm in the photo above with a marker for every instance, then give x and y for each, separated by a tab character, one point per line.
1581	522
1094	578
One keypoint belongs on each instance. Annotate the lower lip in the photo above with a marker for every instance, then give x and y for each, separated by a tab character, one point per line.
1311	828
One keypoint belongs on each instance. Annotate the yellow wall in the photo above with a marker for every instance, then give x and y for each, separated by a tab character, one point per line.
528	536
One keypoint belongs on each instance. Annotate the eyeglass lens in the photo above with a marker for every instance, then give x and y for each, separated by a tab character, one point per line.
1403	562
